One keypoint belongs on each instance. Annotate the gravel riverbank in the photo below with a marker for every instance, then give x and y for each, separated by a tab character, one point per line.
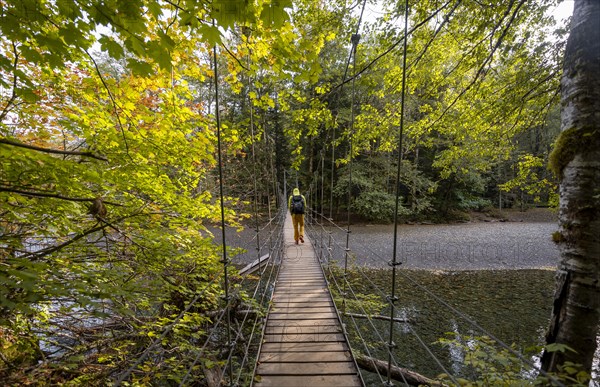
469	246
521	241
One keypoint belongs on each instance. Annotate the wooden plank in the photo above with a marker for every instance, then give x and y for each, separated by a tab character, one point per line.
300	285
302	282
252	267
304	347
295	304
300	357
319	332
312	381
300	289
293	289
306	281
301	269
303	275
303	368
307	293
308	308
296	277
301	316
302	323
301	299
315	337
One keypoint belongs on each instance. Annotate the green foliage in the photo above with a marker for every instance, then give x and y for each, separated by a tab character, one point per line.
105	196
529	181
373	189
490	365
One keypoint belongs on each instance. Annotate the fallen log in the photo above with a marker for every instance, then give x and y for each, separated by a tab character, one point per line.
252	267
398	373
375	317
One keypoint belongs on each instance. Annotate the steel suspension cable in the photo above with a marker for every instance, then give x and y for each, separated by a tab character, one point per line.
225	260
359	303
376	330
350	55
395	262
355	38
480	328
239	332
247	349
254	176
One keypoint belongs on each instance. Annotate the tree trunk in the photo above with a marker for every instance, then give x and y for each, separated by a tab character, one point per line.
576	160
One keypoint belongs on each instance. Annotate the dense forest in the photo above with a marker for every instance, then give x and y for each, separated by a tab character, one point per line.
131	130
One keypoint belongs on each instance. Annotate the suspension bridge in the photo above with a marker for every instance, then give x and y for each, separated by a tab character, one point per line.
311	306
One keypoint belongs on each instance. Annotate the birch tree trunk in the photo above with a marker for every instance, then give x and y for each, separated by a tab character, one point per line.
576	160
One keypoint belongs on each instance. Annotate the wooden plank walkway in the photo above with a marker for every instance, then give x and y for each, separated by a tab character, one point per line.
303	344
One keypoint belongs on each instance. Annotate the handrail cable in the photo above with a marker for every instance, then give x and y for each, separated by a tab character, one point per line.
283	209
355	38
365	345
339	289
247	351
350	55
254	172
337	312
432	355
322	202
376	331
208	337
256	318
479	327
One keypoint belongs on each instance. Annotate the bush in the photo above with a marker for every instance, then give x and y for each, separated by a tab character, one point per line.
376	205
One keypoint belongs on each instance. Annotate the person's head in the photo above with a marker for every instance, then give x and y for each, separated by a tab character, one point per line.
296	191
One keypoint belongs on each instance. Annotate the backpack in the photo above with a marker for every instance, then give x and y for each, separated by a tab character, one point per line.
297	205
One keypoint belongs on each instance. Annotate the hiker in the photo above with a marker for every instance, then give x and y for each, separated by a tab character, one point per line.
297	204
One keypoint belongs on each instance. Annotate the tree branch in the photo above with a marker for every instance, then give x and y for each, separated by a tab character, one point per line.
52	195
390	49
112	99
49	250
487	60
49	150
